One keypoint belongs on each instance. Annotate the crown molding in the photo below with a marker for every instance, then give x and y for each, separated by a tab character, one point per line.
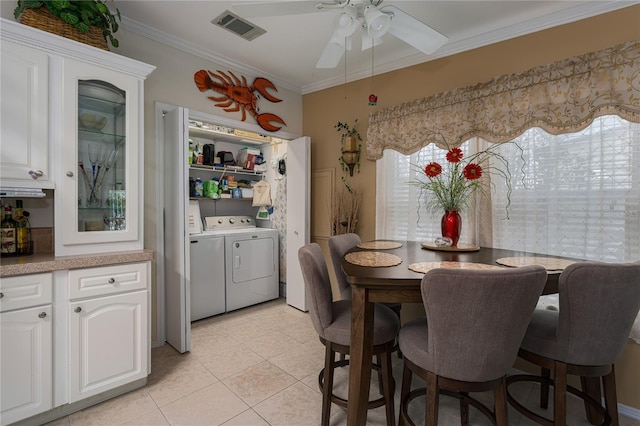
473	41
201	52
578	12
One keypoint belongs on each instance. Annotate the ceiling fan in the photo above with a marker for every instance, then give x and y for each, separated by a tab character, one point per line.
369	16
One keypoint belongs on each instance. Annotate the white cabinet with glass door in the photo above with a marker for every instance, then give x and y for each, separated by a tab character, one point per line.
100	179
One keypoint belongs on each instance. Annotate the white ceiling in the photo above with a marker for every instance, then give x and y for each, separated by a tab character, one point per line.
288	52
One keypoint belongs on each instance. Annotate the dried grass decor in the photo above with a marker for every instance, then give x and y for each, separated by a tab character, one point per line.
346	209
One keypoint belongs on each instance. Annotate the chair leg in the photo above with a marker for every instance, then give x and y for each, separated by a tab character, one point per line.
380	375
404	391
591	386
544	389
327	388
464	409
433	394
560	393
388	388
500	403
610	397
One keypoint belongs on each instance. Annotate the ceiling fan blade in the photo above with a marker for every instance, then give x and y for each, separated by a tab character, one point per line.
333	51
280	8
413	32
368	42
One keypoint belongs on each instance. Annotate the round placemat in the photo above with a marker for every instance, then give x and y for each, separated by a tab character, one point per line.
423	267
372	259
380	245
549	263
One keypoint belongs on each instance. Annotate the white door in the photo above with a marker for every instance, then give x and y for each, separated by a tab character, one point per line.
298	215
25	363
176	238
107	343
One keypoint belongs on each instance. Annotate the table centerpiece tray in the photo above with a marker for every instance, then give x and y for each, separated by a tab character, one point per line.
459	247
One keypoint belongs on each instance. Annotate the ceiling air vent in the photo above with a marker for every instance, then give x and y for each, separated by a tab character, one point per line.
232	22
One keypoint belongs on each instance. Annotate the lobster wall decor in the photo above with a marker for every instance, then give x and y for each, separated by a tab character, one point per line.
238	96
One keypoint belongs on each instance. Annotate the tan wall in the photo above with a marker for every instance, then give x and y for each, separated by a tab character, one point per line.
347	102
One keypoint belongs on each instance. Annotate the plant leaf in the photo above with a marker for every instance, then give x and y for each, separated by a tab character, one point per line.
69	18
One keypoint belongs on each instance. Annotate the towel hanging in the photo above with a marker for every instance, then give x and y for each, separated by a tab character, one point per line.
261	194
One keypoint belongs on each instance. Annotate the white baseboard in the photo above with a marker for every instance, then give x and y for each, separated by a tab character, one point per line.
627	411
623	410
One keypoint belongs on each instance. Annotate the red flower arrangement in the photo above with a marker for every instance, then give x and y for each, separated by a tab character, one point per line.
451	190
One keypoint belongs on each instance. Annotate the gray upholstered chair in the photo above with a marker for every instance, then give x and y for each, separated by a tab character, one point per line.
332	322
598	305
338	246
470	337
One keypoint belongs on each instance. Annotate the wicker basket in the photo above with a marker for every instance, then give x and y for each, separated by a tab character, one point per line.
44	20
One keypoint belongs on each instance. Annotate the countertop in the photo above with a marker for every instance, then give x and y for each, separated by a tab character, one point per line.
38	263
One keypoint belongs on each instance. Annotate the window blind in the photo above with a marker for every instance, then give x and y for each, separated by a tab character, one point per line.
577	195
580	196
400	214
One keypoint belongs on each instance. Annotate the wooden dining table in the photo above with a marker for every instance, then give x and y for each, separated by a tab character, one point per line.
392	284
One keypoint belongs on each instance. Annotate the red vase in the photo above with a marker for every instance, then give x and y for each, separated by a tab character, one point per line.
451	226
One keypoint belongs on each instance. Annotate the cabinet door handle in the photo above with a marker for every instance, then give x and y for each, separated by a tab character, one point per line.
35	174
1	295
42	314
78	309
112	280
70	174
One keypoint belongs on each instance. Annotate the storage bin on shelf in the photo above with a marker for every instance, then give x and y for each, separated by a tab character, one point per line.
247	157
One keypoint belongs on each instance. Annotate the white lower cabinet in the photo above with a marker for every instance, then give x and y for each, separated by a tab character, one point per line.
25	347
102	339
108	333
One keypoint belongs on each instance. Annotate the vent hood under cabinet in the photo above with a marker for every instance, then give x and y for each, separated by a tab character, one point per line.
22	192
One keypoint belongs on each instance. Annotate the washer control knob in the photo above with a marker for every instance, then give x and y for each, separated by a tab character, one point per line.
232	220
220	221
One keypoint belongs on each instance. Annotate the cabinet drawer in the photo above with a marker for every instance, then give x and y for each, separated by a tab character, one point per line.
24	291
107	280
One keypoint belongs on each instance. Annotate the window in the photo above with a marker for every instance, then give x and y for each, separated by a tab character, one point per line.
578	195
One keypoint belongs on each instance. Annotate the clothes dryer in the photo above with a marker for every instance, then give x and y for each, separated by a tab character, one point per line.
250	260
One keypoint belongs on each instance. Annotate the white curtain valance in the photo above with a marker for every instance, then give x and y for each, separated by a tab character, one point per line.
560	97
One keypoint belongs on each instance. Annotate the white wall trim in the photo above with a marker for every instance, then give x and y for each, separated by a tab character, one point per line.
199	51
630	412
474	41
580	11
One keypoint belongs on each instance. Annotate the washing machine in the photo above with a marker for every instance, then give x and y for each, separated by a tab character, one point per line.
251	260
207	277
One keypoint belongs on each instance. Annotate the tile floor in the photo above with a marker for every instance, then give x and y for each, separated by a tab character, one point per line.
259	366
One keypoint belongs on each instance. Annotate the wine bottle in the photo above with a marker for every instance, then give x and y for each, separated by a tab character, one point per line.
22	231
7	234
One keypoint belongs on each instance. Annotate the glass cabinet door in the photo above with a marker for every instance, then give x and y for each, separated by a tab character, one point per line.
99	185
102	151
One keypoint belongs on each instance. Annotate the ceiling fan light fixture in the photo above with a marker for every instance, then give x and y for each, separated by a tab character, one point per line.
377	23
347	22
